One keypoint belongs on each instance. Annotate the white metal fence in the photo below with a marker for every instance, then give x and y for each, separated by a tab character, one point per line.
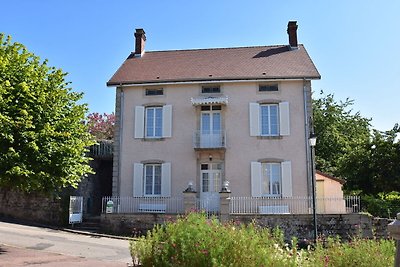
293	205
210	204
238	205
171	205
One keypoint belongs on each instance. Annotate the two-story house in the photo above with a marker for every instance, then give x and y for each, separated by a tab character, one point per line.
205	116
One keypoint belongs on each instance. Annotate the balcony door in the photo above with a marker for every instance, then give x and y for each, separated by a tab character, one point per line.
210	185
210	127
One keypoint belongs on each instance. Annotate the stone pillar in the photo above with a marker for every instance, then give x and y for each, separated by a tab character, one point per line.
394	231
189	200
225	200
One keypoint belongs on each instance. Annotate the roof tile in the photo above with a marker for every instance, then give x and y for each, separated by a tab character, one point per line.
261	62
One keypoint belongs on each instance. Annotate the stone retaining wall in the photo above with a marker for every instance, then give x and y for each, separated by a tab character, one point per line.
132	224
343	225
32	208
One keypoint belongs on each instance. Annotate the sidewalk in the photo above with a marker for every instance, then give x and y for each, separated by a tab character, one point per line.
14	257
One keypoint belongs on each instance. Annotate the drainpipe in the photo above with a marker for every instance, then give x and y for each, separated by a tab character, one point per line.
307	126
120	140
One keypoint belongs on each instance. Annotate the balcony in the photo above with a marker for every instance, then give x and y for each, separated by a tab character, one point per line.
209	140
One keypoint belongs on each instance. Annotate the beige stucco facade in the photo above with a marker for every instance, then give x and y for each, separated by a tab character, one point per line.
240	149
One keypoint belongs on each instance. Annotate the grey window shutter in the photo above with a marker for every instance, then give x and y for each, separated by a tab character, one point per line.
284	118
139	122
166	180
167	121
256	177
137	180
286	172
254	119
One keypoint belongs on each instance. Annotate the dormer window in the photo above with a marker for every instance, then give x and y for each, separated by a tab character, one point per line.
158	91
210	90
268	88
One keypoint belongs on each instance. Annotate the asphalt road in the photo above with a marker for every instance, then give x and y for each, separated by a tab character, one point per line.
20	241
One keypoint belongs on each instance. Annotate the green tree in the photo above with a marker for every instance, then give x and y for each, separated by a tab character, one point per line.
347	147
339	131
374	167
43	137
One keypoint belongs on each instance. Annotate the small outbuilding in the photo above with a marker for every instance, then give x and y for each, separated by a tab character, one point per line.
330	198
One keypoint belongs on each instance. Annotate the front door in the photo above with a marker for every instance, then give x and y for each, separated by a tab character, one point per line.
210	186
210	133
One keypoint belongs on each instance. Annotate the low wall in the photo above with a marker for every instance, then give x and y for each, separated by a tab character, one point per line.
133	224
301	226
343	225
32	208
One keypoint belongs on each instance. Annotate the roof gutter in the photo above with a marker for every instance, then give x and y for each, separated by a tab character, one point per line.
130	84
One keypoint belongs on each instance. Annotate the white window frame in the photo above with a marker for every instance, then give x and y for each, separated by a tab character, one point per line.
156	124
256	171
153	168
283	119
139	179
267	177
141	122
269	125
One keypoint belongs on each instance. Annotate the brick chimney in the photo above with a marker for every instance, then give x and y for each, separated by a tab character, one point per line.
140	41
292	32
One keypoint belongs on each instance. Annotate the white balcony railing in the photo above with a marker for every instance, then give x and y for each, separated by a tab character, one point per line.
213	139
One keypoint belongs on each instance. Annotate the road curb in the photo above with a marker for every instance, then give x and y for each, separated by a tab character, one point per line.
94	234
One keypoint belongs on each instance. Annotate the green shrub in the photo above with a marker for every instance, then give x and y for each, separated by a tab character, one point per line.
358	252
194	240
385	205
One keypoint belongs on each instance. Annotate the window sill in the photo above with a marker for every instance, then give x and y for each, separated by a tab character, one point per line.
155	139
270	137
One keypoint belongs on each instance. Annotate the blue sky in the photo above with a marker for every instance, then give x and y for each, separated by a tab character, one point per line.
354	44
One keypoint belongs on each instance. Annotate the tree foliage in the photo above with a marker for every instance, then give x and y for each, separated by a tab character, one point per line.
43	139
375	166
101	126
338	130
347	147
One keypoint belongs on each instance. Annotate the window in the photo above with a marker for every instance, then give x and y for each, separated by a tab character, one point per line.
271	179
269	119
154	122
152	92
152	179
268	88
211	90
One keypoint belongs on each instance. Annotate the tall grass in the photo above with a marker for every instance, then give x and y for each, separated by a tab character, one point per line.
194	240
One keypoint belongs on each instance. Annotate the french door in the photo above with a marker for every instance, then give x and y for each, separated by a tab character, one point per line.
210	185
210	128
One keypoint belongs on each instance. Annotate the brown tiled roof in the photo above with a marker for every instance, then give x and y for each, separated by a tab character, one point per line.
247	63
340	180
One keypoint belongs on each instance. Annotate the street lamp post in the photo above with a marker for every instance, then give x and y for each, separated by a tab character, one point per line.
312	141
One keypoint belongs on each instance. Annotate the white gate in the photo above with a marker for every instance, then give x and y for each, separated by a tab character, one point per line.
75	209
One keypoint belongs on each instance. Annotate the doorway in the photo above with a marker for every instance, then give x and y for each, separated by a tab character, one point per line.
210	185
